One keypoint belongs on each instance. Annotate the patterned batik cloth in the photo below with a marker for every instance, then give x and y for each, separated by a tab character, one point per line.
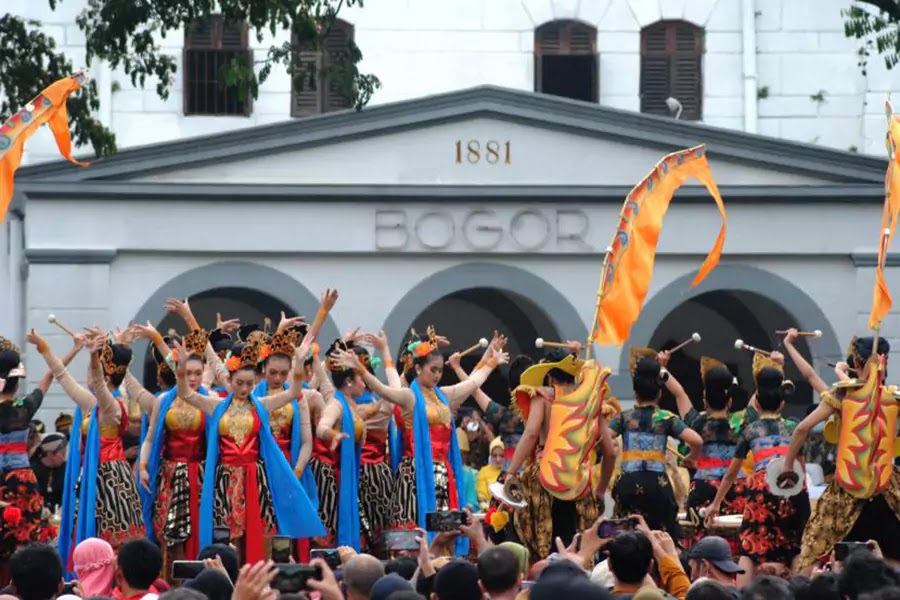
376	485
702	493
404	506
534	524
838	517
19	488
326	482
119	516
172	507
772	525
230	504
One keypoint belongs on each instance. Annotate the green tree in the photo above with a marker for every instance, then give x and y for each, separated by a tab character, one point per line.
877	24
124	33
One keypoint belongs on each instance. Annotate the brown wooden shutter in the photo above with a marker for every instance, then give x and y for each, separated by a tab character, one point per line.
209	45
671	66
337	46
312	96
565	38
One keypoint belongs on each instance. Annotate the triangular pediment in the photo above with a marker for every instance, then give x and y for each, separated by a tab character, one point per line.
481	136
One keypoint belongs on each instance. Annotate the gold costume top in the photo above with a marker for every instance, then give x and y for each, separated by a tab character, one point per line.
282	419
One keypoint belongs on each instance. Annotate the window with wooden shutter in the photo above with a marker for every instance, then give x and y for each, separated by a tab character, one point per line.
565	60
672	66
210	46
312	93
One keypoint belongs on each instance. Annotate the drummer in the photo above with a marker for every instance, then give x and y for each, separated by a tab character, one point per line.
772	525
720	439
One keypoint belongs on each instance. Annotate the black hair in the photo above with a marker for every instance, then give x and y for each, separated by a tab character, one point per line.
772	389
862	351
863	572
340	376
800	588
517	366
404	566
719	385
9	360
708	590
36	572
825	587
184	593
406	595
888	593
141	562
630	555
226	554
766	587
556	355
647	380
498	570
236	350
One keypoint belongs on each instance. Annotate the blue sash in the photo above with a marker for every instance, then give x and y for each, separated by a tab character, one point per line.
348	495
308	479
295	515
148	498
424	462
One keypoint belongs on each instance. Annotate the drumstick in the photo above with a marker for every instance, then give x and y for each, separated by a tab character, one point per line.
52	319
695	337
542	343
831	364
816	334
482	343
740	345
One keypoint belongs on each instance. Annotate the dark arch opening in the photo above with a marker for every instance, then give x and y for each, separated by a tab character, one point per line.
467	315
721	317
248	305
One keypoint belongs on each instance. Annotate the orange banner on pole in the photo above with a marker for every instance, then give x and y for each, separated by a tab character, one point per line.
49	107
628	266
881	298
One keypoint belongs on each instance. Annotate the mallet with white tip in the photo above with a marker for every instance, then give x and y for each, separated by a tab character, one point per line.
52	319
542	343
816	334
740	345
695	337
482	343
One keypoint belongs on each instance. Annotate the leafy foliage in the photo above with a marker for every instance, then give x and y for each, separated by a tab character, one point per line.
877	24
128	33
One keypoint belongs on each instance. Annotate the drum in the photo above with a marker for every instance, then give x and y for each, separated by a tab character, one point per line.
728	527
688	526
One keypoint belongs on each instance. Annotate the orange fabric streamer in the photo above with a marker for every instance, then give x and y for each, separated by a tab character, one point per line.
628	267
881	299
49	107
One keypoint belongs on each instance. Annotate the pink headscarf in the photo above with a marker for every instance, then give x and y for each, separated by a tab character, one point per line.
95	566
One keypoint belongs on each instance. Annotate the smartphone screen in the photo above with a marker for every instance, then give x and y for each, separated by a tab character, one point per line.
282	548
186	569
614	528
221	535
292	578
843	549
445	520
401	539
331	556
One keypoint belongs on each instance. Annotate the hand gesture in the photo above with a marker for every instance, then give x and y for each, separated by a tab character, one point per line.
346	553
179	307
327	587
79	341
288	322
348	359
124	336
442	340
498	342
336	439
301	353
35	339
570	553
146	332
712	512
216	563
145	478
574	346
97	342
778	357
502	358
791	335
329	299
181	353
229	325
353	335
663	358
454	359
665	543
253	581
379	341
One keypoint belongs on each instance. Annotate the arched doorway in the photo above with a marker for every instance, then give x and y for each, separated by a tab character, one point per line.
721	317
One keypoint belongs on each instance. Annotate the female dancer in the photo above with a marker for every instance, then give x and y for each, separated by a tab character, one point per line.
429	477
171	461
250	487
772	525
18	485
107	497
719	441
643	486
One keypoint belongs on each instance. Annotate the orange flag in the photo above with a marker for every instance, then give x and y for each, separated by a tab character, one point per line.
628	267
50	108
881	299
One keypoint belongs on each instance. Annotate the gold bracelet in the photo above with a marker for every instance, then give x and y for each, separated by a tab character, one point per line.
492	362
388	363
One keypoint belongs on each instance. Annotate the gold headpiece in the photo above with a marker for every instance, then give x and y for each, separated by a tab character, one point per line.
418	348
107	359
6	344
249	356
851	349
330	363
284	342
195	342
707	363
761	361
635	355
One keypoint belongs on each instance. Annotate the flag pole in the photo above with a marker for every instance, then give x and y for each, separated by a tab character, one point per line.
600	293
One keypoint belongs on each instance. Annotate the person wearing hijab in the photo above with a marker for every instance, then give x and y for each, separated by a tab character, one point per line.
214	584
491	471
95	566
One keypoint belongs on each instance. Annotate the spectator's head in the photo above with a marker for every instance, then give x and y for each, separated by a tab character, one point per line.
226	554
573	588
138	565
360	574
863	572
767	587
711	558
457	580
499	572
183	593
891	593
404	566
390	585
709	590
37	572
406	595
212	583
521	553
630	555
63	424
52	450
824	587
95	565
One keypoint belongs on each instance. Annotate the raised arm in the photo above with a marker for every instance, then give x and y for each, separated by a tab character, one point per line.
402	397
827	407
307	443
325	429
457	394
323	379
380	342
483	400
139	394
109	406
806	369
531	436
47	379
77	392
682	400
328	300
147	447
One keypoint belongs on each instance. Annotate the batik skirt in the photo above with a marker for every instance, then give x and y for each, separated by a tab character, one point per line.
119	517
649	494
376	485
326	482
404	506
230	509
772	525
19	489
703	492
540	521
177	492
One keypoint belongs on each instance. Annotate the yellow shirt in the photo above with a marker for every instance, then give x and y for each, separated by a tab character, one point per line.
486	476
